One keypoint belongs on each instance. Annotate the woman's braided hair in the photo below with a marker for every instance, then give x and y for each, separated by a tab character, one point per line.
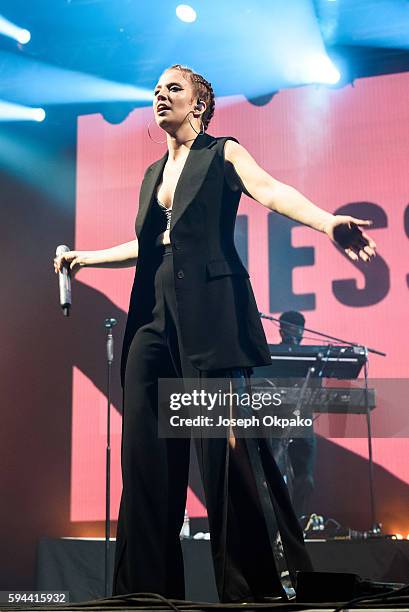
202	89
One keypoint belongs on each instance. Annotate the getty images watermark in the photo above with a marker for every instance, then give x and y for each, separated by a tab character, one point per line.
284	408
218	408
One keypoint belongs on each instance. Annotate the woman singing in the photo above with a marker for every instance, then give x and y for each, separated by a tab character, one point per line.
192	314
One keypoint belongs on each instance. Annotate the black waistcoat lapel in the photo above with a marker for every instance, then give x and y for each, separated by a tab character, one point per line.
148	189
193	174
191	179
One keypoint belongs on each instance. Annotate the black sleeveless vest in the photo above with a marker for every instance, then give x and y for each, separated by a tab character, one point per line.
218	315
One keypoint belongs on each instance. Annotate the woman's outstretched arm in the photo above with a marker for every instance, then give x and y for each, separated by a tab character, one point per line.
120	256
284	199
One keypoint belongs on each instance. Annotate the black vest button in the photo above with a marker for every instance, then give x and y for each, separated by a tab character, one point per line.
181	274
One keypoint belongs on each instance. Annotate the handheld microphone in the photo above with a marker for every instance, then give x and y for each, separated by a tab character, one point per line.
64	281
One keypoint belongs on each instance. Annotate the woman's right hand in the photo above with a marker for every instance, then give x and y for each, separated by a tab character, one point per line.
71	260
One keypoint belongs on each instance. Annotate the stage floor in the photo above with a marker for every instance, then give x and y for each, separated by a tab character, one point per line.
77	564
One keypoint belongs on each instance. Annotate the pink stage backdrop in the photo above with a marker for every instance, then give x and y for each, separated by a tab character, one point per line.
339	147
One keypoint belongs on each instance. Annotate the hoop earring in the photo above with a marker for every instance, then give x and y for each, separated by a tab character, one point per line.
202	127
150	136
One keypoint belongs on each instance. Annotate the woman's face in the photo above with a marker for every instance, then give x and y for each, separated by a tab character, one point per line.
173	100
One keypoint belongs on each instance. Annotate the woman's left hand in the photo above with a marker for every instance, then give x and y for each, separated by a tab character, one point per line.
346	233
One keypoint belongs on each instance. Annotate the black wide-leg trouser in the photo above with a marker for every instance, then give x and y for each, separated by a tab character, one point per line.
246	497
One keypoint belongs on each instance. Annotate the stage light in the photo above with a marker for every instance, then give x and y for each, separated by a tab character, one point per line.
9	29
56	85
38	114
186	13
18	112
320	69
24	36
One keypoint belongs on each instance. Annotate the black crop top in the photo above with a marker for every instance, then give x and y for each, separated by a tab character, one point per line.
160	218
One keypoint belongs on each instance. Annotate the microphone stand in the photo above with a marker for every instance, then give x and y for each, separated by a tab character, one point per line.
375	526
108	324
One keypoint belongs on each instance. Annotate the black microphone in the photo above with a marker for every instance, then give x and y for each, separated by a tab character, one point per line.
64	281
